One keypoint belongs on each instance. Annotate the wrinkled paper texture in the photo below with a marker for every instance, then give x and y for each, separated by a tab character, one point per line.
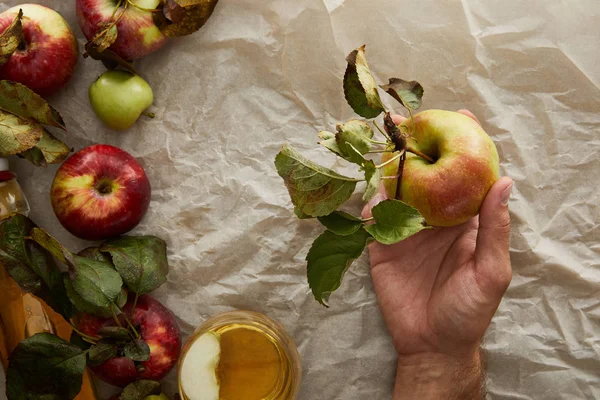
262	73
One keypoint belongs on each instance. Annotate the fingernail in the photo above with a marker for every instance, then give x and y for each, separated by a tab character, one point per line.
506	194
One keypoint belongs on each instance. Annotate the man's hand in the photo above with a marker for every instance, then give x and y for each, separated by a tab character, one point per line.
438	291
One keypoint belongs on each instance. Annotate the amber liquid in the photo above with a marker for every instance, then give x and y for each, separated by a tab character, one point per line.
254	363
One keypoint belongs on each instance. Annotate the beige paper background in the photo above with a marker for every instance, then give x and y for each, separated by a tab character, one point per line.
262	73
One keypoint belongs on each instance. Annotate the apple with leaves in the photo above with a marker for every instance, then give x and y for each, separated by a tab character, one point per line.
100	192
449	187
39	49
156	326
437	167
136	34
125	30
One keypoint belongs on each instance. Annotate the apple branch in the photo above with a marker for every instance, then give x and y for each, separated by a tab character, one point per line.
420	154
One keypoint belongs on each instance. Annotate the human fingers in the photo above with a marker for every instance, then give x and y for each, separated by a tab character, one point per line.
469	114
492	257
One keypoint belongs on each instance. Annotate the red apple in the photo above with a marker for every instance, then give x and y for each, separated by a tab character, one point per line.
46	59
451	190
100	192
137	34
156	325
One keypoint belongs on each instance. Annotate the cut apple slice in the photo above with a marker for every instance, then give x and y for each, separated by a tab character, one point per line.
199	368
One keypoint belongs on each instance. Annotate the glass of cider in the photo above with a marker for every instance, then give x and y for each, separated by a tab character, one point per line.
239	355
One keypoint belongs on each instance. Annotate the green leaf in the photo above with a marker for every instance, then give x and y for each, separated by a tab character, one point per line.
94	253
34	156
395	221
360	88
183	17
109	58
137	350
140	389
78	341
355	133
373	178
314	190
328	260
341	223
114	332
408	93
140	260
93	286
18	99
101	352
106	36
11	38
30	266
45	367
330	143
17	134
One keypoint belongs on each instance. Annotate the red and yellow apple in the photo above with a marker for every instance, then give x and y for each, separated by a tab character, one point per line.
100	192
157	327
451	190
137	34
47	56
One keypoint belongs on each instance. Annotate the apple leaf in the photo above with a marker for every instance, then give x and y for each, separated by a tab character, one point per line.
373	178
11	38
314	190
94	253
139	390
109	58
395	221
106	36
140	260
329	258
341	223
330	143
408	93
360	87
78	341
183	17
49	150
45	366
356	133
18	99
17	134
101	352
115	332
32	268
93	286
137	350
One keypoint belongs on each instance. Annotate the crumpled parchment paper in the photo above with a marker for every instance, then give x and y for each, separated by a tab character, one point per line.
262	73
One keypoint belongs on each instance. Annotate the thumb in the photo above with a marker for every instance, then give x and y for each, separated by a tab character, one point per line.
492	250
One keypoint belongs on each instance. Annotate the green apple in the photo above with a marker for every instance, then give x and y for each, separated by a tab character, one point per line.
451	190
161	396
119	98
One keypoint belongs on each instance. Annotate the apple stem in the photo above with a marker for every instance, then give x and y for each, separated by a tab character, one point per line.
87	338
135	332
418	153
149	115
398	195
379	151
377	142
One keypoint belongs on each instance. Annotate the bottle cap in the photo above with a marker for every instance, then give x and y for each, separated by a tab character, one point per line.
4	164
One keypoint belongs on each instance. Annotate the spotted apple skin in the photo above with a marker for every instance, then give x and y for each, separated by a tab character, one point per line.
100	192
157	326
137	36
49	57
